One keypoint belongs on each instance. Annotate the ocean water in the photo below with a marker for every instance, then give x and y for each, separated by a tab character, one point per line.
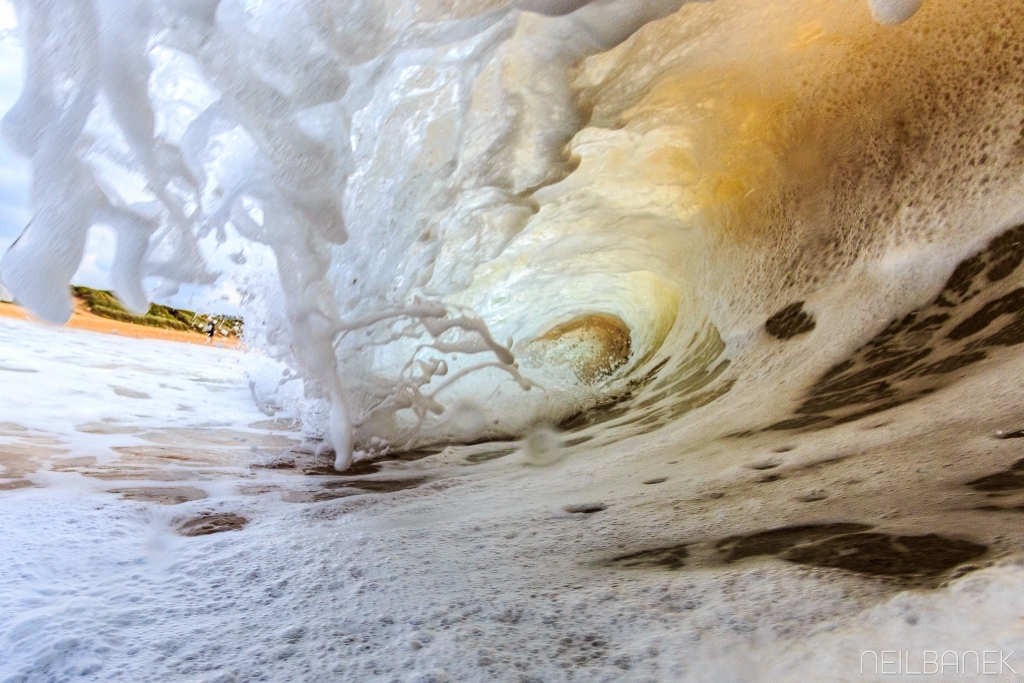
502	562
484	221
688	334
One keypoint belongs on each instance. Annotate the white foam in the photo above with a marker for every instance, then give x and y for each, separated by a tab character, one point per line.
893	12
481	574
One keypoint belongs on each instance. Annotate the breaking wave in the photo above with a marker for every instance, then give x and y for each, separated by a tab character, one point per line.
485	216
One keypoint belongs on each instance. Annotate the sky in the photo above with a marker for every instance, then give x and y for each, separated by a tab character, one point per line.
14	170
15	205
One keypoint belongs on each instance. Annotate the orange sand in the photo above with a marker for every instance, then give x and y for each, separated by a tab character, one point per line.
84	320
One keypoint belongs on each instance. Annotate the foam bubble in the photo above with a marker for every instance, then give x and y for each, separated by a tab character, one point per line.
892	12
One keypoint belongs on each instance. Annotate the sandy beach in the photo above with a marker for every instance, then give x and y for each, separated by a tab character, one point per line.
84	320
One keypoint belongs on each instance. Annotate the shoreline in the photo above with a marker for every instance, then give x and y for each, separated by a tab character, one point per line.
82	319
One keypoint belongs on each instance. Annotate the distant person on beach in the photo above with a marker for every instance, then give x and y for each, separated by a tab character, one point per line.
210	328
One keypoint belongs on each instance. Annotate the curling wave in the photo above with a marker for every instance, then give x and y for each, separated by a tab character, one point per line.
486	216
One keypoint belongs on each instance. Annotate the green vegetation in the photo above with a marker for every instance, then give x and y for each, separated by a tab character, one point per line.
105	304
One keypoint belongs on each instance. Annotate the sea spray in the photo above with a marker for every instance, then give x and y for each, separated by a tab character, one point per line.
433	178
290	123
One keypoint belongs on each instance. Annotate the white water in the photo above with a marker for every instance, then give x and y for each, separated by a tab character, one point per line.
450	175
478	575
446	185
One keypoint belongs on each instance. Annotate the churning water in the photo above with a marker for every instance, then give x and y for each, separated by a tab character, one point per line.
490	217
